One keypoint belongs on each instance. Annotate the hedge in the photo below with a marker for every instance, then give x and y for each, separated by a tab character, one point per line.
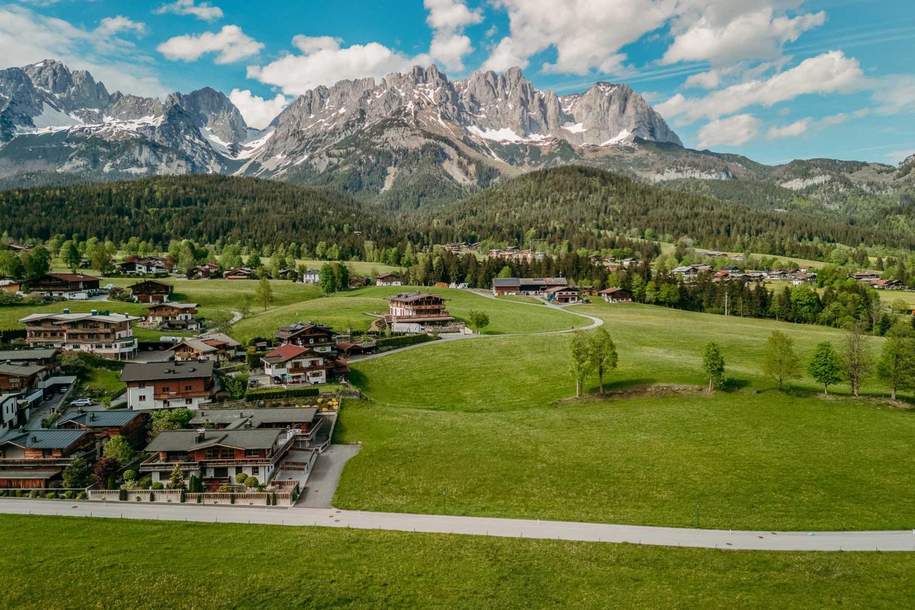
404	340
269	393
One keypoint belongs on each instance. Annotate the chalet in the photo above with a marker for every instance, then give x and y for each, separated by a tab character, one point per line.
65	285
216	457
388	279
172	316
168	385
313	336
418	312
16	378
516	255
291	363
107	334
205	271
865	276
151	291
34	458
215	347
537	287
563	295
888	285
105	423
240	273
10	286
300	419
41	357
311	276
688	273
616	295
151	265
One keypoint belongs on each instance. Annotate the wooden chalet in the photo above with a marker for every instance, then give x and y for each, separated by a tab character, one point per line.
420	312
65	285
172	316
616	295
523	286
31	459
308	334
168	385
151	291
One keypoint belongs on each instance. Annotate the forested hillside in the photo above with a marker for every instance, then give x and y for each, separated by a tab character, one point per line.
584	208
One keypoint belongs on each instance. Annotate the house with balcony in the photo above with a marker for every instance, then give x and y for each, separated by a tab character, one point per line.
34	458
418	313
151	291
65	285
216	457
169	385
109	335
16	378
146	265
216	347
313	336
389	279
290	363
301	419
172	316
526	286
46	357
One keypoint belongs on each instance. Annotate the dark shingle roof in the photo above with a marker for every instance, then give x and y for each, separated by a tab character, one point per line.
26	354
156	371
191	440
101	418
238	418
20	370
43	439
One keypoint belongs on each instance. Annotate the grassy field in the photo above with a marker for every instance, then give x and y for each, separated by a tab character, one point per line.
360	267
185	565
351	310
483	427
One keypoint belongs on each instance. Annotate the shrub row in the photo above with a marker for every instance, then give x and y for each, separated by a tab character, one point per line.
268	393
403	341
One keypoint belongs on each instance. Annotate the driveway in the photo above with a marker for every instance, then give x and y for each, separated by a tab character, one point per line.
325	476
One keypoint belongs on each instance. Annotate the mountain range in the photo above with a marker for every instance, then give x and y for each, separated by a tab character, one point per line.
406	140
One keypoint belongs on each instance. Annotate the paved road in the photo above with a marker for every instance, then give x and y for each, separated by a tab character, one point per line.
478	526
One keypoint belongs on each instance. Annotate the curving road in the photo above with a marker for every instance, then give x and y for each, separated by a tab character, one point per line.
478	526
595	322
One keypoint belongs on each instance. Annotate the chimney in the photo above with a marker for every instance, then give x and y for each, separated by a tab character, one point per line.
201	435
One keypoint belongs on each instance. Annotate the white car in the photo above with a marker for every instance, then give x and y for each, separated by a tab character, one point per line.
81	402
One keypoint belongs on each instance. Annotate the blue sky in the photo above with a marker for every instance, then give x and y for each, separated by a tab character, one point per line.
772	79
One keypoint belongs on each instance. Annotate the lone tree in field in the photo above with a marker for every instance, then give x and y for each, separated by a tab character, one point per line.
580	352
713	362
856	360
897	361
263	294
826	366
603	355
478	320
781	362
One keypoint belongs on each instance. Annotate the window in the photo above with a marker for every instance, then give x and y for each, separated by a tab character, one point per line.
252	453
238	470
255	470
188	401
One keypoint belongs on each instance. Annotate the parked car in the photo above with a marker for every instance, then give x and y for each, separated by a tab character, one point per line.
81	402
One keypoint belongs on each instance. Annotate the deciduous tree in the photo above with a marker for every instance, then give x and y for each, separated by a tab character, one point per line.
826	366
603	356
580	360
897	360
713	363
781	362
856	359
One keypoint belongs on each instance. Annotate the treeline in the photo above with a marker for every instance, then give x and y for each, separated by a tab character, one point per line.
842	304
568	209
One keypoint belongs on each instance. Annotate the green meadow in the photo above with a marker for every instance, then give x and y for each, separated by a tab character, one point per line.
188	565
487	427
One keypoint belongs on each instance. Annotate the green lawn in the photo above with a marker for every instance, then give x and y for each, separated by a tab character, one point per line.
483	427
360	267
185	565
104	383
351	310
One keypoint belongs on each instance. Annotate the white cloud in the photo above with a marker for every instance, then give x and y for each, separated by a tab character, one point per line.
720	33
204	10
230	44
27	37
324	62
448	18
587	35
705	80
110	26
895	94
791	130
830	72
732	131
257	111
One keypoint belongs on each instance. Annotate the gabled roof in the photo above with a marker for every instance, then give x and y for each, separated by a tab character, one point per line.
300	327
164	371
100	418
43	439
412	297
242	418
192	440
174	306
222	339
19	370
66	318
284	353
150	284
197	345
27	354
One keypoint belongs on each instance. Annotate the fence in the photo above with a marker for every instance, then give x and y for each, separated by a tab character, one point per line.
285	497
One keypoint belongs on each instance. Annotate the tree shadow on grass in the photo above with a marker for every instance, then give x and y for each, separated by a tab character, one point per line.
732	384
357	378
